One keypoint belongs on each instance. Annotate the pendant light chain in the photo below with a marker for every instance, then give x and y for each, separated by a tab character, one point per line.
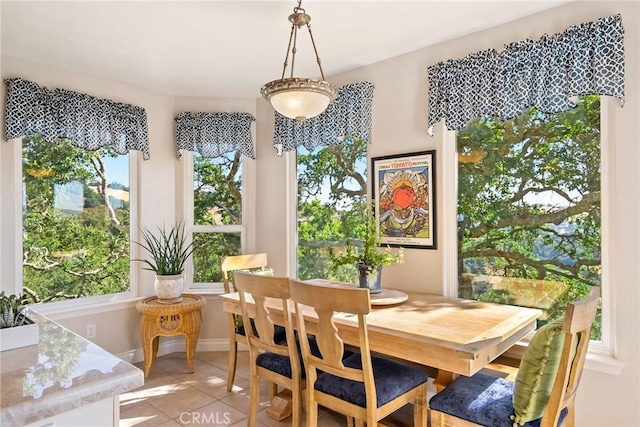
294	49
286	58
299	97
313	42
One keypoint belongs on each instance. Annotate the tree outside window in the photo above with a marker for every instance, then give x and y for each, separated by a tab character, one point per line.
332	192
529	209
75	221
217	213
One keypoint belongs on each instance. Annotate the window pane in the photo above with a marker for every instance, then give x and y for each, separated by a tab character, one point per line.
75	221
206	257
529	208
332	190
217	201
217	190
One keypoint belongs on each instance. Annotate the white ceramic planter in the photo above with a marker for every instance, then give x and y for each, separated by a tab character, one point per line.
169	288
18	336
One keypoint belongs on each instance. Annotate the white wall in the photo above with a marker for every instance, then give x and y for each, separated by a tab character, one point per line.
399	125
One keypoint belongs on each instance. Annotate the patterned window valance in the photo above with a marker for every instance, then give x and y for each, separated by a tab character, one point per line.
89	122
546	73
349	115
214	134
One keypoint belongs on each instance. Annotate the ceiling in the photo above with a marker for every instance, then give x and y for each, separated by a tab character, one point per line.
231	48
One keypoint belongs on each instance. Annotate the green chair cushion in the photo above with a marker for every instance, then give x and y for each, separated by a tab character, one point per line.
537	373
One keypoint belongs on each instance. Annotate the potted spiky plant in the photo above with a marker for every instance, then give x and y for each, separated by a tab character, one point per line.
367	258
16	329
168	250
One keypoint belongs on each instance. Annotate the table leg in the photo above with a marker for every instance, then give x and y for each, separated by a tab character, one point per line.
191	344
154	353
443	379
148	353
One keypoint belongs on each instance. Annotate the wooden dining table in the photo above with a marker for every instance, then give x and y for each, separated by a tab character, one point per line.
454	336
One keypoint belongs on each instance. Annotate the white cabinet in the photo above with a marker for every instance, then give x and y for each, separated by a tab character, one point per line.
103	413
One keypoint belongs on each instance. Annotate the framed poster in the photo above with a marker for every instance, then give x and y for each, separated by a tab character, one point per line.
404	193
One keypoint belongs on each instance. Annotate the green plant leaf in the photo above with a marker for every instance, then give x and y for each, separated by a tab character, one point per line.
168	249
366	252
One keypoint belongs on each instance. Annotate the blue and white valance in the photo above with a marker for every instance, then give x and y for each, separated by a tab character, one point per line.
88	122
215	134
547	74
349	115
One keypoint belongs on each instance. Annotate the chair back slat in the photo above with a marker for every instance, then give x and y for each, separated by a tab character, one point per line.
577	324
231	263
267	292
334	297
329	342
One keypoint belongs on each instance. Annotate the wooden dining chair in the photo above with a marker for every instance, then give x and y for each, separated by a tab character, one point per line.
276	363
365	387
544	390
228	264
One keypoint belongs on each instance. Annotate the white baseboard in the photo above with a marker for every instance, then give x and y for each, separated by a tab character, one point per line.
170	345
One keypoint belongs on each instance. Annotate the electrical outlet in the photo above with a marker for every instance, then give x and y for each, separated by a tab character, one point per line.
91	330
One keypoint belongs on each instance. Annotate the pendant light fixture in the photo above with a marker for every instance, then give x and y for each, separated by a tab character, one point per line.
299	98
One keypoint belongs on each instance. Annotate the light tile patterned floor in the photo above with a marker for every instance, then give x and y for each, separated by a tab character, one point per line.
173	397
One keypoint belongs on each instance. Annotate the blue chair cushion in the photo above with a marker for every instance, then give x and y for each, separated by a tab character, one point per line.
391	379
482	399
279	333
281	364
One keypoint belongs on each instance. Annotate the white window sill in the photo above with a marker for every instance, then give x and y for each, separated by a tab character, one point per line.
206	289
77	308
105	303
603	363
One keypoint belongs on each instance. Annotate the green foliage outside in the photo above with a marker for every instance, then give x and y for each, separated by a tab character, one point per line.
217	202
71	254
209	247
217	190
332	194
507	223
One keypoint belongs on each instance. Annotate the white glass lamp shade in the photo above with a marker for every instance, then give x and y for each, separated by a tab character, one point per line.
299	98
299	105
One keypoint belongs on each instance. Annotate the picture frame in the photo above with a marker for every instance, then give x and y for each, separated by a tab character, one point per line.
404	194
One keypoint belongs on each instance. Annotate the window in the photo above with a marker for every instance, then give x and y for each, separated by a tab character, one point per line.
217	213
529	209
332	190
75	218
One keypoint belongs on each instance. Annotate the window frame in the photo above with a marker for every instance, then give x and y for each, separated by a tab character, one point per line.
12	221
602	353
248	219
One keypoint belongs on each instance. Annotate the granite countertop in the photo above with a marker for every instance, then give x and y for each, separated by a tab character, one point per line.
63	372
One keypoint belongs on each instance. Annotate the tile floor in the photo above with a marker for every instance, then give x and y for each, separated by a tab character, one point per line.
172	397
